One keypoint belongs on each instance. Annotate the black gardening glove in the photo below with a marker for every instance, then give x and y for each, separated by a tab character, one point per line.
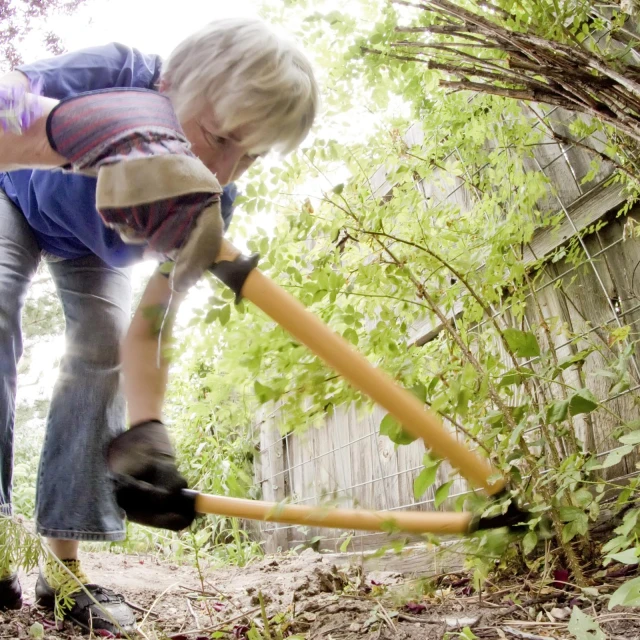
148	486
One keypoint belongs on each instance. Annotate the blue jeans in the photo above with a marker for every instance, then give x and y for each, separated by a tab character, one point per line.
73	495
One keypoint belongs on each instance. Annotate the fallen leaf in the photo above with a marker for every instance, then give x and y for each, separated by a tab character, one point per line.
584	627
461	582
48	624
240	631
560	613
459	623
623	570
560	578
415	607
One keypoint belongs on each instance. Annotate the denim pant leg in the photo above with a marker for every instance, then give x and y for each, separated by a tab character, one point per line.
19	258
74	497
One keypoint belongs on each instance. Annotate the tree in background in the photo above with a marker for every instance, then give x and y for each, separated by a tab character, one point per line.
580	55
19	18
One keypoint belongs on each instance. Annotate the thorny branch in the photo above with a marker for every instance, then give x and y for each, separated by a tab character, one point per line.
481	51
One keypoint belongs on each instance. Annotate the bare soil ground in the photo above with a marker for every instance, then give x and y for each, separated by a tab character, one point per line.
308	597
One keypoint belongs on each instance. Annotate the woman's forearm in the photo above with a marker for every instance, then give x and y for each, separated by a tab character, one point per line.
29	149
144	361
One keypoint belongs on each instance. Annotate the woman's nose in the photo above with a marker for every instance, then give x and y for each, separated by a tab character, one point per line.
227	167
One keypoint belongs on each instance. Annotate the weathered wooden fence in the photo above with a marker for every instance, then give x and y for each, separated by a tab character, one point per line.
349	462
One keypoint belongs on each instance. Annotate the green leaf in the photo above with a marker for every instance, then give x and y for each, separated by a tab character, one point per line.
494	417
557	411
577	522
420	392
225	314
569	514
467	634
628	595
629	522
529	542
442	493
515	377
631	438
424	480
579	357
254	634
345	545
391	428
603	373
619	387
583	497
338	189
584	627
263	393
630	556
212	314
616	456
523	343
36	631
569	531
582	401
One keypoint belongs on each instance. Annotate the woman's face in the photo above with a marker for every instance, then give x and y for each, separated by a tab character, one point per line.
222	152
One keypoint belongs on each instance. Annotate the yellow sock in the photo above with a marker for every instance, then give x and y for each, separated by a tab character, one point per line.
59	579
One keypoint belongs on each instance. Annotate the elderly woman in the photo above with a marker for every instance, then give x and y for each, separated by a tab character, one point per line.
149	151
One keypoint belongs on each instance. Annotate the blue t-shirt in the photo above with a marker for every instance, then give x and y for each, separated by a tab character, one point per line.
60	206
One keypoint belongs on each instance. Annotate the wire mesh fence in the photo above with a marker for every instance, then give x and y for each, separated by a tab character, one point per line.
350	464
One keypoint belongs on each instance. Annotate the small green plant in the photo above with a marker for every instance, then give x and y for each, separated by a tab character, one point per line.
19	547
22	548
465	634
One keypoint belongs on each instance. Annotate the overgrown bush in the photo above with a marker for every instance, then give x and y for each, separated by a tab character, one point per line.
503	372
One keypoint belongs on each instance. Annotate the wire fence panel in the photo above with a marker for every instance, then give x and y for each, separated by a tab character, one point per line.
347	463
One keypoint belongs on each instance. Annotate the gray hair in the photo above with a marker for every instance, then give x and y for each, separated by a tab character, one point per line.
247	75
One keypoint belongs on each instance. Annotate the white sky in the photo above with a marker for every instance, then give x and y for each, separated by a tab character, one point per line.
149	25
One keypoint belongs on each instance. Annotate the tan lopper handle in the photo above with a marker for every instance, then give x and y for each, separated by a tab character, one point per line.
290	314
359	519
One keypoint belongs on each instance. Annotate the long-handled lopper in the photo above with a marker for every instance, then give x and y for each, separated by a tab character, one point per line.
240	274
